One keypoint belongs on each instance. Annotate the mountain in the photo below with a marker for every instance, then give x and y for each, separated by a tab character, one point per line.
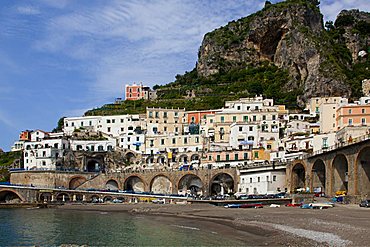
291	36
283	51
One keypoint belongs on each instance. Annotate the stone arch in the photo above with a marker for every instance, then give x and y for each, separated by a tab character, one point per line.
45	197
340	173
111	184
363	171
190	184
319	176
130	157
76	181
183	158
93	165
94	198
63	197
149	160
161	159
298	179
195	157
107	199
161	184
221	183
10	195
134	183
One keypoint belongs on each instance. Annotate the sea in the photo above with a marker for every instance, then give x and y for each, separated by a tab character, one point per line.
55	227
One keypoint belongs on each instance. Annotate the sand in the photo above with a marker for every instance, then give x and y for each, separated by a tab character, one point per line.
344	225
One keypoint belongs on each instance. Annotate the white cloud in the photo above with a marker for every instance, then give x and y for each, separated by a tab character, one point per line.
28	10
331	8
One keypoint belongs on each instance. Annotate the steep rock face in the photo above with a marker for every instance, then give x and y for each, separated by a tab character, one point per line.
356	25
285	34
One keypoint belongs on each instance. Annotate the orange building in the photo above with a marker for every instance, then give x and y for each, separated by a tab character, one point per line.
353	115
25	135
196	116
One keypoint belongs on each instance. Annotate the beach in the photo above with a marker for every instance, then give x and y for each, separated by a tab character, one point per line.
343	225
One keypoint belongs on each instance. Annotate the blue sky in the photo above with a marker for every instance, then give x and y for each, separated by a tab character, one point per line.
62	57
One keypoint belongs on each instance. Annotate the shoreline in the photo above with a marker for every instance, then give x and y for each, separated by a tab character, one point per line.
268	226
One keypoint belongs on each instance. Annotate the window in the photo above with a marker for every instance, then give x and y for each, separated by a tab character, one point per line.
256	155
250	180
245	118
121	120
268	146
108	120
349	111
245	156
222	119
196	139
250	128
156	114
209	157
363	121
274	178
263	117
150	114
240	128
162	141
236	156
258	179
193	119
113	120
108	129
128	139
238	107
363	110
227	157
211	120
164	114
185	140
82	123
56	145
317	109
218	157
350	121
234	119
267	178
43	153
273	117
254	118
173	140
151	143
165	129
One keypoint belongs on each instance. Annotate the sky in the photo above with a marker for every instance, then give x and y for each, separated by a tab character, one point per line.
62	57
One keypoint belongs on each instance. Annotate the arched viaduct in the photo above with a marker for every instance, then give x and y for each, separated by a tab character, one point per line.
341	169
200	182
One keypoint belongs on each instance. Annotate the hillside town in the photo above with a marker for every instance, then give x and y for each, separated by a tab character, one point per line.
253	135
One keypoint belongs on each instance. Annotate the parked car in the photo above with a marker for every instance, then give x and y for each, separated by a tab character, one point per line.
365	203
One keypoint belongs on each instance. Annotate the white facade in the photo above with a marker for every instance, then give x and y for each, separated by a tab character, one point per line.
43	155
72	123
134	142
262	182
323	141
93	145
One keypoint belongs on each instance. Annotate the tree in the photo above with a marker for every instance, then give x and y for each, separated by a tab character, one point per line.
329	25
60	126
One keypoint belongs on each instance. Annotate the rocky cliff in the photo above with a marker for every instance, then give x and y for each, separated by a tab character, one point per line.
290	35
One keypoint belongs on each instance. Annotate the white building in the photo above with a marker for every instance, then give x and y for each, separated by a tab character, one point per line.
44	154
262	181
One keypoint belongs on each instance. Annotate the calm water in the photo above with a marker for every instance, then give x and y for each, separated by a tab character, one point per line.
52	227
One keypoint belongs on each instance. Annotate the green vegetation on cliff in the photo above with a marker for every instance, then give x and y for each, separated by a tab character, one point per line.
192	92
6	160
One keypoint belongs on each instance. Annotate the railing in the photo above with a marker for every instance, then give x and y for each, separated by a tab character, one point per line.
338	145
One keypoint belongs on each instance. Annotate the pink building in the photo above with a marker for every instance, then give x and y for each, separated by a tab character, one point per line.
136	92
353	115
